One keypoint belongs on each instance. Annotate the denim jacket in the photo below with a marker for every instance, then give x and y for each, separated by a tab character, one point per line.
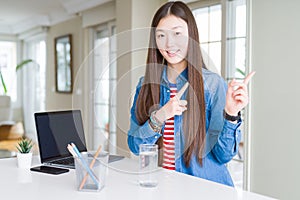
222	137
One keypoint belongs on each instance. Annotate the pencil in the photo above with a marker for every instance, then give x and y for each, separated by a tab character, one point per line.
91	166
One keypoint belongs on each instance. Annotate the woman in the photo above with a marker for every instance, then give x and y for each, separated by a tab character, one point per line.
196	128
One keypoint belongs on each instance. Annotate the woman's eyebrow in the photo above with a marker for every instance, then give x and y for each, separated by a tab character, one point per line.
160	30
175	27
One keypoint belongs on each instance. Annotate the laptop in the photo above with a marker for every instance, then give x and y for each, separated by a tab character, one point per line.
55	130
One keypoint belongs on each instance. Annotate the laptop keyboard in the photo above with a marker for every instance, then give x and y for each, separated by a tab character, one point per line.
69	161
65	161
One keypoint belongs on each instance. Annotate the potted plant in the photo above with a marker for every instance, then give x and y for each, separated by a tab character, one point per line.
24	156
19	66
5	100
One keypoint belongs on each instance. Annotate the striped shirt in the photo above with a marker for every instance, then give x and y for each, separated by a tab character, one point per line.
168	138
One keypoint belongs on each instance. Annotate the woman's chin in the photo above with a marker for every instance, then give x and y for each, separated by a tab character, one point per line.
175	61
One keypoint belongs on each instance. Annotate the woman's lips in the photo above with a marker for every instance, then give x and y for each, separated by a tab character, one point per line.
172	53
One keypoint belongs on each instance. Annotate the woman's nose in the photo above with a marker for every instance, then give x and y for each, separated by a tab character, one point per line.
170	41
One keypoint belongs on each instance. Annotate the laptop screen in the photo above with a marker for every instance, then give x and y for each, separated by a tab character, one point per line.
55	130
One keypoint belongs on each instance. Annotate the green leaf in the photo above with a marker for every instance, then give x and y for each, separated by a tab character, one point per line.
19	149
241	72
24	146
3	83
20	65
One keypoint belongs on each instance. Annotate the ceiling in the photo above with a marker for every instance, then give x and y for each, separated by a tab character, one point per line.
17	16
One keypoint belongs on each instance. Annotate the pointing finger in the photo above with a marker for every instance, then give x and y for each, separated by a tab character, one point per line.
248	78
182	90
183	102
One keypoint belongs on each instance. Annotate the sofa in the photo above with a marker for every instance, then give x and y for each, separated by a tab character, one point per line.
10	135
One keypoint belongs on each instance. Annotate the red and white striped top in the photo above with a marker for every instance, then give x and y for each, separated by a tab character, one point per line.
168	138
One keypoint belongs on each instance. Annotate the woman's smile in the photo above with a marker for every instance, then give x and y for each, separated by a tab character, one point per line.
172	53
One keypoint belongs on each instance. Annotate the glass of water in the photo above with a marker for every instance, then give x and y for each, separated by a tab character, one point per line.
148	165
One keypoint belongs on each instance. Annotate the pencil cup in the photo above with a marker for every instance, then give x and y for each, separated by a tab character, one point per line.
91	171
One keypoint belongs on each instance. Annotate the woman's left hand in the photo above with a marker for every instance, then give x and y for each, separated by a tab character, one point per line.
237	95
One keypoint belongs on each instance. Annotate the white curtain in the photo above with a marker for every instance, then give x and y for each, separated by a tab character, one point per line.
33	93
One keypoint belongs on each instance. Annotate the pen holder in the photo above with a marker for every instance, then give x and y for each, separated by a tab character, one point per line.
91	172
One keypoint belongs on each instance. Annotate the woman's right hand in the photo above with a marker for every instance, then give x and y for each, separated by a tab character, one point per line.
175	106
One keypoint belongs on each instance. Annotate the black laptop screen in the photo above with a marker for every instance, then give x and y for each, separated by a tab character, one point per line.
56	130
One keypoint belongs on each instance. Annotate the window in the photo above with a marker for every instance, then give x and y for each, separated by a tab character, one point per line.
209	25
8	68
104	87
234	37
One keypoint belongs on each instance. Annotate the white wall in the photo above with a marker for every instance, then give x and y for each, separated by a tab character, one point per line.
100	14
275	135
54	100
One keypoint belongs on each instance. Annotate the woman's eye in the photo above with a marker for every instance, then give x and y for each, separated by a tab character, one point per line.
177	33
160	36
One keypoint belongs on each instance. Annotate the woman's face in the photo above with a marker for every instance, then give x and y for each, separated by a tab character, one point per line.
172	39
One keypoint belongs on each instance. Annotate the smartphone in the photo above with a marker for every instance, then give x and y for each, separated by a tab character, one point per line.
49	170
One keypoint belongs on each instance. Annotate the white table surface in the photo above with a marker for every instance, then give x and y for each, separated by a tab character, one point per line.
121	183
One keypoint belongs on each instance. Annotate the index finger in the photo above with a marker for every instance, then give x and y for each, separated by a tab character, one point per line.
248	78
182	90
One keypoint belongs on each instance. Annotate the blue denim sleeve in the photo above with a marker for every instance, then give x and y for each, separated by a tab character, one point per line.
223	137
139	134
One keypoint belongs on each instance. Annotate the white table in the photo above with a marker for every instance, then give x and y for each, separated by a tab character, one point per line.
121	183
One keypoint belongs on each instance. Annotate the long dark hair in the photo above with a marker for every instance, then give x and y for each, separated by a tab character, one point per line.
149	96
